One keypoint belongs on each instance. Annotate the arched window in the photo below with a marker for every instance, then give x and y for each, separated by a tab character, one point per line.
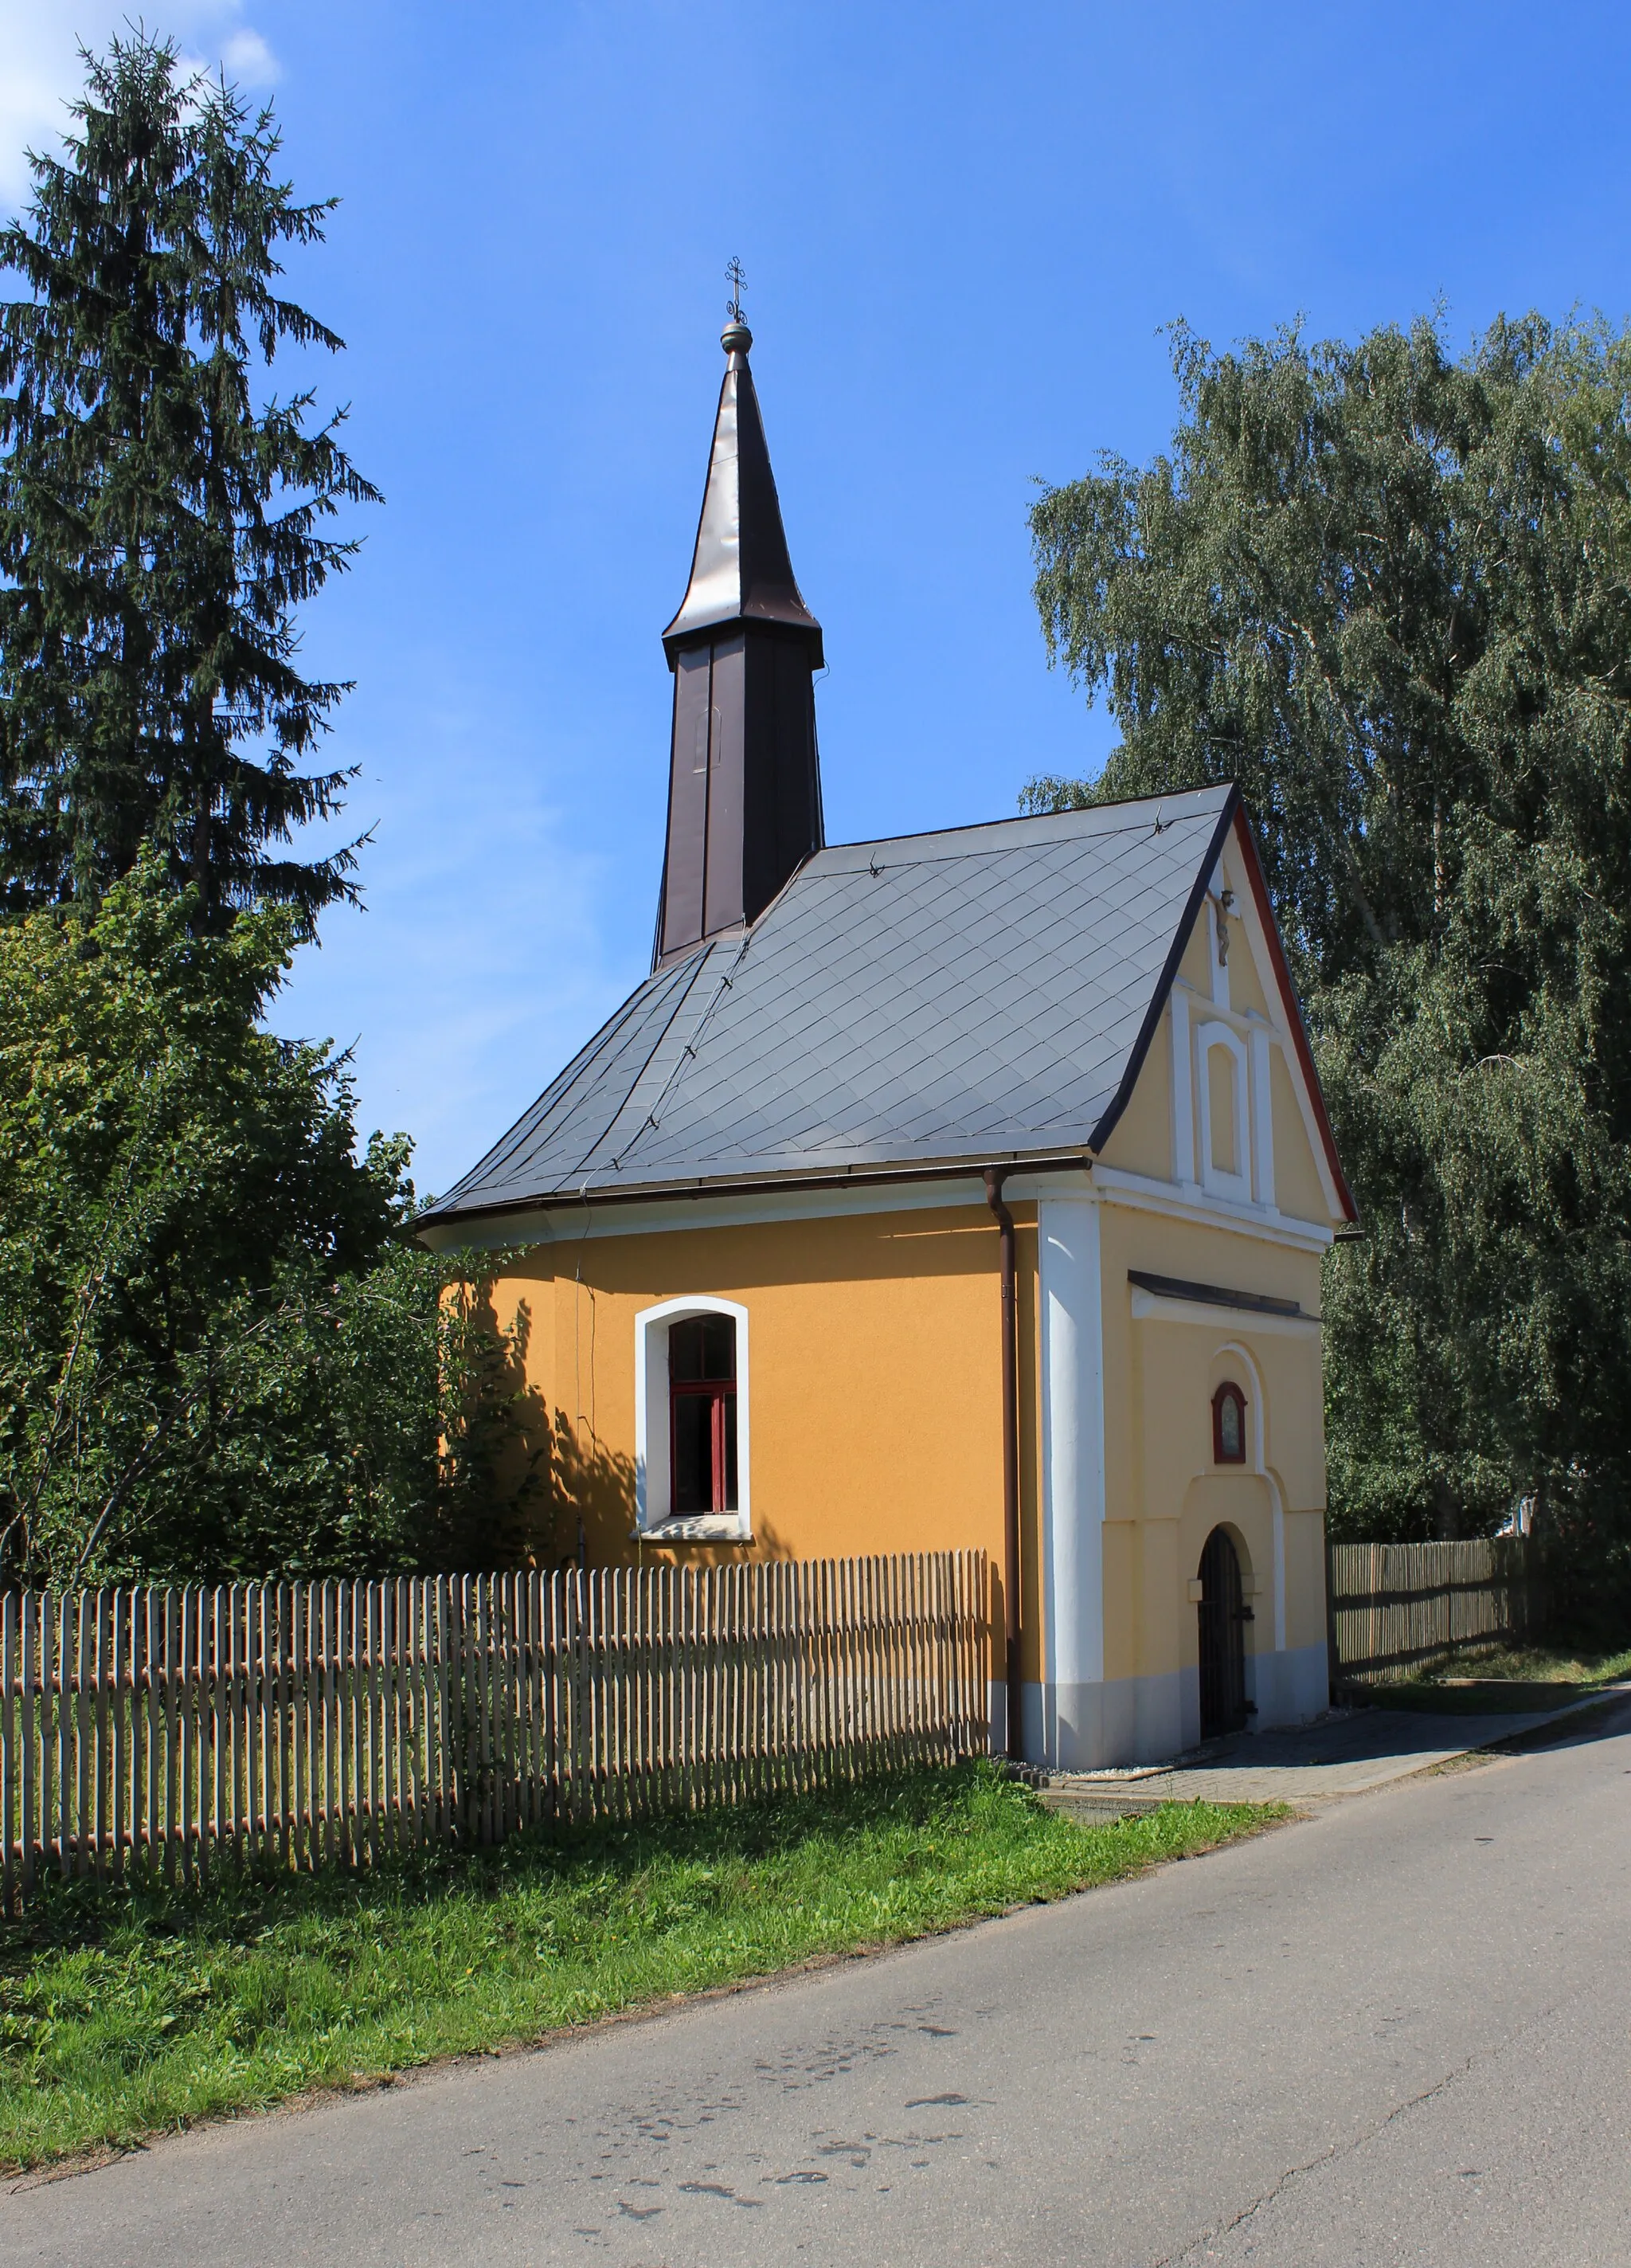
701	1415
691	1399
1229	1425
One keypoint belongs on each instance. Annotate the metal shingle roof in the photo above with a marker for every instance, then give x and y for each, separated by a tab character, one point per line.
957	997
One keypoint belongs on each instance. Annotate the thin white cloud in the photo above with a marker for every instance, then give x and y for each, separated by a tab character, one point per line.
41	73
248	61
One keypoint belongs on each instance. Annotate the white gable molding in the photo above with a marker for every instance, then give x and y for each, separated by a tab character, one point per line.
1262	1120
1143	1192
1248	914
1243	1021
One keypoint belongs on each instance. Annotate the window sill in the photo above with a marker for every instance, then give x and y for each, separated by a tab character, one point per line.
703	1527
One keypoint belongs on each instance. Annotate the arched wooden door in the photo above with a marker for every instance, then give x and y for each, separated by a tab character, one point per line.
1224	1615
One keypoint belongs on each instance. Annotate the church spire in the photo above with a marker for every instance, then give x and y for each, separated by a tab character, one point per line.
744	782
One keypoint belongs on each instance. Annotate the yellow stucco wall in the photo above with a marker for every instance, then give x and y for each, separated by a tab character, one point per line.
876	1418
1297	1187
1142	1138
1195	965
1246	988
876	1391
1163	1492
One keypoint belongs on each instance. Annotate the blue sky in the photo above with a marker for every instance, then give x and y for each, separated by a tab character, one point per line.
963	229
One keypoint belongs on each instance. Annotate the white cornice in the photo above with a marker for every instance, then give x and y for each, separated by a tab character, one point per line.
1118	1186
571	1223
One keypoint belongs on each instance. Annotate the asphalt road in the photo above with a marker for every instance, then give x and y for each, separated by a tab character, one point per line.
1399	2031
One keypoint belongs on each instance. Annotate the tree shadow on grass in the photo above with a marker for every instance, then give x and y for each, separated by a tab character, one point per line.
238	1903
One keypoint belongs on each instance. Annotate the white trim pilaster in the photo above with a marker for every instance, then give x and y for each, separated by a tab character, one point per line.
1073	1476
1182	1093
1262	1119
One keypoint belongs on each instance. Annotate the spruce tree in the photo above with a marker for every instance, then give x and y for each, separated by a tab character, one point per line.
158	524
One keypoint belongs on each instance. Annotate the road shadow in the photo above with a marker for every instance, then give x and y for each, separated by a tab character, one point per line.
1600	1720
1369	1736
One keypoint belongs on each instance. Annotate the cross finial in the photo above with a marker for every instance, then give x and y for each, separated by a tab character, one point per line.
735	278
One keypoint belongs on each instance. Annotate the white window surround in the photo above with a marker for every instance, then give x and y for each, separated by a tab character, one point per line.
1238	1184
652	1475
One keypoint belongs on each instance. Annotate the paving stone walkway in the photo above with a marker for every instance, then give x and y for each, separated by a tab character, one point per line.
1339	1755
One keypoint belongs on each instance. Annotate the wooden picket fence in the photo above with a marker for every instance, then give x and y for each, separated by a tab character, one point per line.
1399	1607
298	1725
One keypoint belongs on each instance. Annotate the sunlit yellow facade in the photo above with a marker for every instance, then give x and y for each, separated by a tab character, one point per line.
869	1388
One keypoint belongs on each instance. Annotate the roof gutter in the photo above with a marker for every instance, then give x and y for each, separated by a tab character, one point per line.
994	1176
967	1169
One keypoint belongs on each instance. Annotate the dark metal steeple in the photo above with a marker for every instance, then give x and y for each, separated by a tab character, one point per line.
745	784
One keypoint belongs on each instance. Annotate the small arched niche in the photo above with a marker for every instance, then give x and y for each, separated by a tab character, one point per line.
1228	1423
1226	1111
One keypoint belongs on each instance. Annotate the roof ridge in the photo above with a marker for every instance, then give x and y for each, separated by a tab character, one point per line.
1027	818
900	866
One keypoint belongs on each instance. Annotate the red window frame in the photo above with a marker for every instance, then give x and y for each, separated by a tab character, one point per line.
720	1394
1228	1392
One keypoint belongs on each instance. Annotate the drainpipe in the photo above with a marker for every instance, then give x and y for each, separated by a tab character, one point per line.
994	1176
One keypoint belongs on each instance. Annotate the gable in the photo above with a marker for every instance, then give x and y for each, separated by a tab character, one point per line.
1226	1105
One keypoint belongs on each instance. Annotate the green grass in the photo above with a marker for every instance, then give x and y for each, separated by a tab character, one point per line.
1549	1665
1504	1680
125	2013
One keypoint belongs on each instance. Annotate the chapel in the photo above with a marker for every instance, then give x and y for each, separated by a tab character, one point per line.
965	1189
